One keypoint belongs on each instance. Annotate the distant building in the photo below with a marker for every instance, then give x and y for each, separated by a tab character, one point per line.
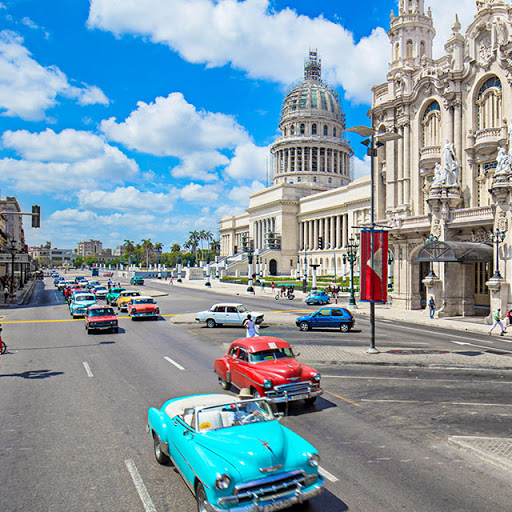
89	248
52	257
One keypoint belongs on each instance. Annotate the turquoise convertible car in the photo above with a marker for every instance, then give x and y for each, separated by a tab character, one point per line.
234	454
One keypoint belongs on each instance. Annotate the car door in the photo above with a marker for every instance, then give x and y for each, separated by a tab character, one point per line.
322	318
338	317
181	439
232	315
219	314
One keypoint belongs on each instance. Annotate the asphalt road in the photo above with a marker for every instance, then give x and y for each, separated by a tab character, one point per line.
74	411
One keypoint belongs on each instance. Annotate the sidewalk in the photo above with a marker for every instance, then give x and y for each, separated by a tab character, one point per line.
466	357
22	295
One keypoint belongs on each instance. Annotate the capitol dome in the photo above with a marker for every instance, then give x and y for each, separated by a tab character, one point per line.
312	148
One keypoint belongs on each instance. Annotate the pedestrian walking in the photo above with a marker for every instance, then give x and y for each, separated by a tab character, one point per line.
249	326
272	287
509	317
6	294
170	280
263	286
497	321
257	326
432	306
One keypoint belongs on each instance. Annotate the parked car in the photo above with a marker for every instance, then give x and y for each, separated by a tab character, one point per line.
113	294
268	367
101	318
339	318
227	313
143	307
137	280
100	292
318	297
81	301
108	274
91	284
58	279
69	290
234	455
124	297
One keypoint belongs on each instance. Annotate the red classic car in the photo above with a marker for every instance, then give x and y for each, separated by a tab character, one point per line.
143	307
101	318
267	366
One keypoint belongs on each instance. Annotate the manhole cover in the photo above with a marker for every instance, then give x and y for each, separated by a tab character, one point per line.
419	351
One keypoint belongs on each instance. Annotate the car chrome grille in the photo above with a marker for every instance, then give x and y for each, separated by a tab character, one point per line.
296	388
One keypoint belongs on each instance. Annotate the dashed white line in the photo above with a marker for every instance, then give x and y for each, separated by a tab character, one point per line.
141	488
326	474
472	404
482	346
174	363
88	369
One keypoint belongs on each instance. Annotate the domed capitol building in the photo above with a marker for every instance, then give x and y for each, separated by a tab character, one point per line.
442	170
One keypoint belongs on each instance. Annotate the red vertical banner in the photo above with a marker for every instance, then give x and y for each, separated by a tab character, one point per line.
373	276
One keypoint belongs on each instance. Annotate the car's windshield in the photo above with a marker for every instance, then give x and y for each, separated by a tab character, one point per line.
270	354
233	414
81	298
129	294
101	312
143	301
100	289
242	309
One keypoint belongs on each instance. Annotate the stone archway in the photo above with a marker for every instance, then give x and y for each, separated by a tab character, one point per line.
272	267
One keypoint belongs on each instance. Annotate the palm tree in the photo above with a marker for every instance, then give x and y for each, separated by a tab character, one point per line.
192	241
214	245
175	248
202	236
158	248
147	245
208	236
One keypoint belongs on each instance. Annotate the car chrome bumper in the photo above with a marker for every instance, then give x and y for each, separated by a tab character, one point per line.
279	503
291	392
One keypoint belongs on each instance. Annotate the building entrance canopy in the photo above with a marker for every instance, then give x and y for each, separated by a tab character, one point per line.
455	251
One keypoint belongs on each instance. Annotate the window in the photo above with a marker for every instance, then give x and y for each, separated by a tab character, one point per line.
233	350
243	355
422	48
334	132
292	129
489	104
397	51
231	309
313	129
432	125
408	49
330	180
326	132
302	129
220	309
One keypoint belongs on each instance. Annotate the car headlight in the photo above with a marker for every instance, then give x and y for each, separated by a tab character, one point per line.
314	460
316	377
267	384
222	482
157	311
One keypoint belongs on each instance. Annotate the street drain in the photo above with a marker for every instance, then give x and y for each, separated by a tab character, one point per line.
418	351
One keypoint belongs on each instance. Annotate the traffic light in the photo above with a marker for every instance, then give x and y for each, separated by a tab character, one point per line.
320	242
36	216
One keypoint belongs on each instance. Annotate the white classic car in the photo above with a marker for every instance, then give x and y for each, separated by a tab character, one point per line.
228	313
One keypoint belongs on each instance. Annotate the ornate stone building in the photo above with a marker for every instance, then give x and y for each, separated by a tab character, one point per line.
442	182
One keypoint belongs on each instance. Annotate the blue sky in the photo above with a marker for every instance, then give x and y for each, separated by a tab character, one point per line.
134	119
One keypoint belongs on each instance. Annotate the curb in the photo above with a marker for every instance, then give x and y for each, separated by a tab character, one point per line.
467	444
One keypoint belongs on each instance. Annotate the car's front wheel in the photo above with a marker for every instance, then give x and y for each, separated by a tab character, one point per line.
160	456
304	326
202	500
344	327
210	323
224	384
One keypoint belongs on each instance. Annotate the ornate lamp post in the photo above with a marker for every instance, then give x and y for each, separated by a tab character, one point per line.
391	258
305	279
250	288
497	237
351	256
430	239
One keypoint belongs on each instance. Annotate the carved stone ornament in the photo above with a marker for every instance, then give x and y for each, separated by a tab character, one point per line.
502	223
485	51
436	228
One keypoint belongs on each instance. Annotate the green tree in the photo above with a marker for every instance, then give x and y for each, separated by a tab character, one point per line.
175	248
147	245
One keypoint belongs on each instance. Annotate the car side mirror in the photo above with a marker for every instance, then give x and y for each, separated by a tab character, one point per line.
296	354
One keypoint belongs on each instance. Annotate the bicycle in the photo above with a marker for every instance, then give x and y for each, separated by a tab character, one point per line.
3	347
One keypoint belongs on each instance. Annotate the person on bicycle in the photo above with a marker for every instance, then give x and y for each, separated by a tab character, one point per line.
283	291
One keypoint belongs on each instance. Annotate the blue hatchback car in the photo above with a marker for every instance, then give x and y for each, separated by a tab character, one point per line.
318	297
339	318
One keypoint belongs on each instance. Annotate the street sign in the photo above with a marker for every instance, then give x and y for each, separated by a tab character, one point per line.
18	258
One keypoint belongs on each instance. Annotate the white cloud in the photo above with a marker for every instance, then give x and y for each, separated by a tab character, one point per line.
360	167
27	89
91	95
240	195
66	161
194	192
252	37
173	127
126	199
249	161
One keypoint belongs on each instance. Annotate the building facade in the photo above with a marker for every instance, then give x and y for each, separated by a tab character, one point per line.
51	256
89	248
442	169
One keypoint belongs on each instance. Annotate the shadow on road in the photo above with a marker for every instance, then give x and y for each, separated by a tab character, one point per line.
33	374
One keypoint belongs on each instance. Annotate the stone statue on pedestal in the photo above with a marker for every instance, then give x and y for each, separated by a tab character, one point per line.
451	166
503	167
438	176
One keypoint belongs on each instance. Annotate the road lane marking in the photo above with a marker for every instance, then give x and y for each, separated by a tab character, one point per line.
357	377
345	399
141	488
473	404
493	349
174	363
67	320
326	474
88	369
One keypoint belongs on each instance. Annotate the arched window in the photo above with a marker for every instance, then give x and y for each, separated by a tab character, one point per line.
432	125
408	49
397	51
422	48
302	129
292	130
313	129
334	132
326	130
489	104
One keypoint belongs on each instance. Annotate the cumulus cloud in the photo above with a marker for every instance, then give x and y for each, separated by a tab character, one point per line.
360	167
126	199
252	37
240	195
249	161
205	193
173	127
66	161
27	89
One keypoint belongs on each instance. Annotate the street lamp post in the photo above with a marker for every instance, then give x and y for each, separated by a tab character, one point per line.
497	237
305	280
250	288
351	256
13	252
334	268
391	258
430	239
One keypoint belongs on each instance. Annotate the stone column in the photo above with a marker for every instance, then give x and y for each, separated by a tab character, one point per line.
433	287
311	234
407	164
315	234
400	170
458	133
332	239
499	289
